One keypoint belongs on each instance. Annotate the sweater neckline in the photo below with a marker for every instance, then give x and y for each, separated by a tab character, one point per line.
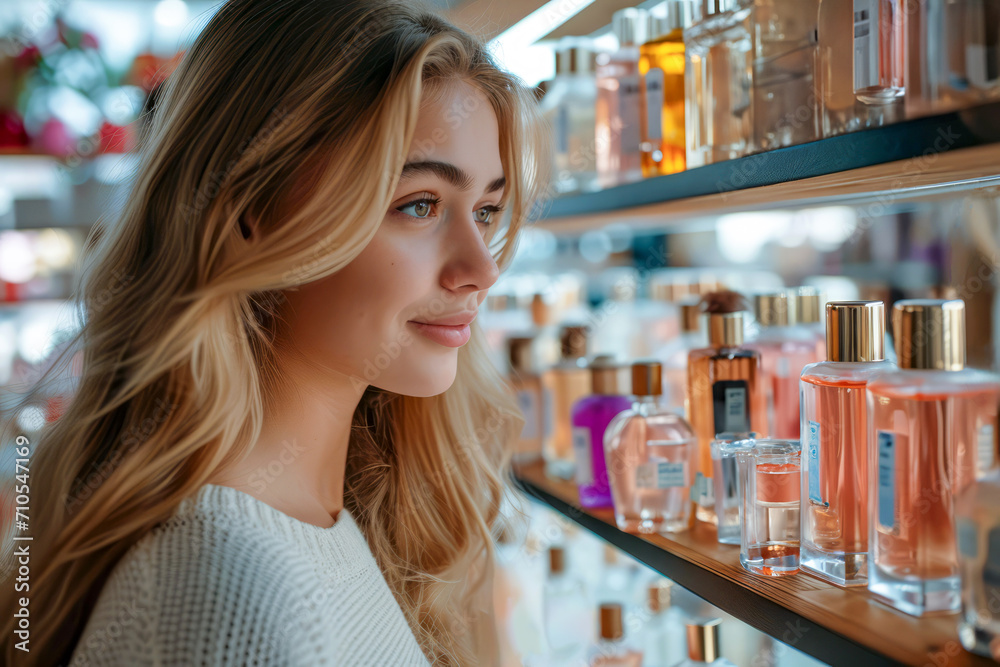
259	509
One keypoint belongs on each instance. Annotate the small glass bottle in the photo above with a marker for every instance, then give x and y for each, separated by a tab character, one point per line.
611	650
617	111
567	382
674	356
718	81
649	453
770	476
725	479
725	390
590	417
835	443
834	76
569	106
566	610
661	71
879	51
930	429
527	388
977	522
663	634
703	644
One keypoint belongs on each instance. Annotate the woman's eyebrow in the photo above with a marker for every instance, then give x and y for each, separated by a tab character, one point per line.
449	172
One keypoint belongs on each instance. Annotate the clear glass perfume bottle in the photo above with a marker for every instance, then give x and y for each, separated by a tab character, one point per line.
703	644
611	650
663	635
725	478
834	76
527	387
719	81
661	71
617	129
785	350
649	453
977	522
930	433
674	357
879	51
770	476
566	609
835	443
725	390
567	382
591	416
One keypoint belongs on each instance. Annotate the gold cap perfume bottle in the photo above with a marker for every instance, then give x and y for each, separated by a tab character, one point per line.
725	329
703	639
855	331
930	333
775	310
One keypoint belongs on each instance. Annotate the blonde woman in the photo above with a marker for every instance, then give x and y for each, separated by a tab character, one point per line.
287	445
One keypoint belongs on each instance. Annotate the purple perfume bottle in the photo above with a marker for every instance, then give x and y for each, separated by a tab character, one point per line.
590	417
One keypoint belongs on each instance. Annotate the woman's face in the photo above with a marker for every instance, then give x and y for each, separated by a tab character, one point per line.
427	263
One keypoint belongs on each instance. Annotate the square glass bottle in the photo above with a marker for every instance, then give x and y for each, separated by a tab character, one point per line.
770	477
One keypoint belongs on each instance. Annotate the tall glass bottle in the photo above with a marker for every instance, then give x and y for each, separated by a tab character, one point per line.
879	51
617	129
674	357
591	416
835	443
977	523
649	453
567	382
569	106
931	426
834	74
527	387
719	81
661	72
725	391
663	635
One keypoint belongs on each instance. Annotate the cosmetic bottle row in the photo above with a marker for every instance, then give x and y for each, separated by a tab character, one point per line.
692	83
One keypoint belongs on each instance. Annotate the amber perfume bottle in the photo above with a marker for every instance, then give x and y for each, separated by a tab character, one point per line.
661	72
930	432
835	443
527	387
566	382
725	391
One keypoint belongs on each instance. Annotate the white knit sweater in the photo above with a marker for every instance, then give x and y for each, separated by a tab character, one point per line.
230	580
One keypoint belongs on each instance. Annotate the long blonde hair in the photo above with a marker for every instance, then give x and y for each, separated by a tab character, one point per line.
277	110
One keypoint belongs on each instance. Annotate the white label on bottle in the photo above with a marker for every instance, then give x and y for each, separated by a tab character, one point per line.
866	39
812	460
736	408
660	475
547	407
527	401
968	538
981	68
887	479
986	446
628	109
583	456
654	103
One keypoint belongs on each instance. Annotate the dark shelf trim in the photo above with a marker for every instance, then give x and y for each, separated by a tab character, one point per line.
767	616
975	126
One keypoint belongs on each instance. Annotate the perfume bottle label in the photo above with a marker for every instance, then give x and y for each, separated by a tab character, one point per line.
654	103
547	408
866	46
660	475
526	401
628	108
986	446
812	460
730	407
887	479
581	453
968	538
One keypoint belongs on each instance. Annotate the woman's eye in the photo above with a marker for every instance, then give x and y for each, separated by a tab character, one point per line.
421	208
485	214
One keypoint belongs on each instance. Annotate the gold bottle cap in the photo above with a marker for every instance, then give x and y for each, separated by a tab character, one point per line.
775	309
930	333
855	331
647	378
611	621
689	316
807	301
725	329
606	375
557	560
519	350
703	639
671	288
573	341
659	596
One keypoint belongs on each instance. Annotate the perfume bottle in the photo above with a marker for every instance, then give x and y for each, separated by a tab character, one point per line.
930	433
569	105
703	644
725	390
718	81
835	442
617	111
879	51
527	387
611	650
566	610
784	351
977	522
807	316
590	418
770	475
674	357
649	453
567	382
663	633
661	72
725	478
835	76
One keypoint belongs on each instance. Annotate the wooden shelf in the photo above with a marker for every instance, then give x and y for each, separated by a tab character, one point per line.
916	159
838	626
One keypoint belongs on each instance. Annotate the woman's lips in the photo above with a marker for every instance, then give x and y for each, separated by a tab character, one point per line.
451	336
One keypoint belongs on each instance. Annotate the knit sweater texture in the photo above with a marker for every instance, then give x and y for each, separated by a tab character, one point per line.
230	580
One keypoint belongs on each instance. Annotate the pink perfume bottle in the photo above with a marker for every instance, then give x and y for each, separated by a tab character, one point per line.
930	433
770	475
650	458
